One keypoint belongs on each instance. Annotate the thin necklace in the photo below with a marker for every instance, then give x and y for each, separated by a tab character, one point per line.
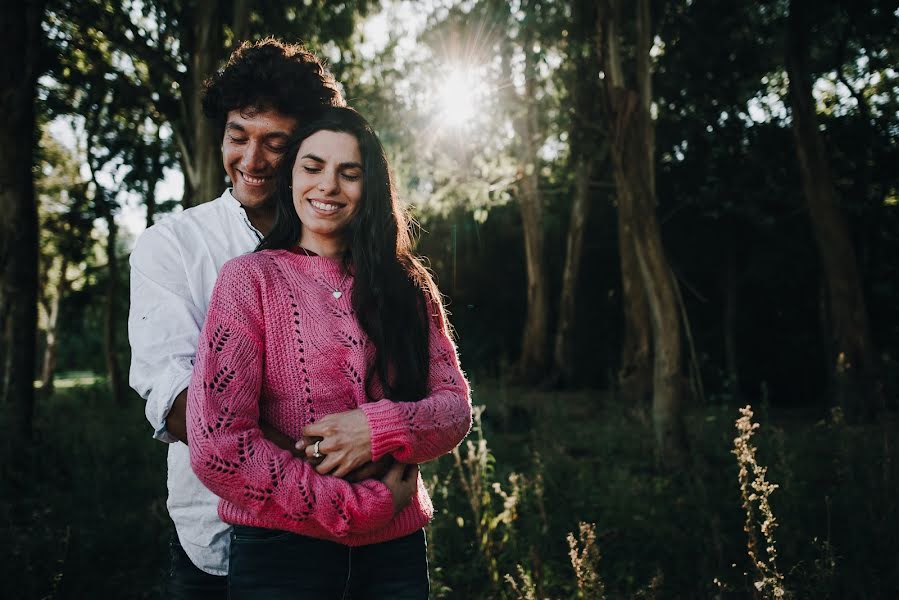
335	291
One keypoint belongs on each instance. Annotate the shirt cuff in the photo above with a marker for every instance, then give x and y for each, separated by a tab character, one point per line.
163	406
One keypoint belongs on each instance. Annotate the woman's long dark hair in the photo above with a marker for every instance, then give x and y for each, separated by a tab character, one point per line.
394	295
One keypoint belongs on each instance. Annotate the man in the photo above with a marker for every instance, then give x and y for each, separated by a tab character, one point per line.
257	100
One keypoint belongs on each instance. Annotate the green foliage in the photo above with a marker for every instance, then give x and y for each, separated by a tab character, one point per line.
90	522
83	529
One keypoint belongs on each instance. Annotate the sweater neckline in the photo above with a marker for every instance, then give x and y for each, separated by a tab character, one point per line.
331	265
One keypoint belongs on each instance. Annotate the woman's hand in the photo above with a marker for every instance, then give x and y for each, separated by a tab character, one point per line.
402	481
343	438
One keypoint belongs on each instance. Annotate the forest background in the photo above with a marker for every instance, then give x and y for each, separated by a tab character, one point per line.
644	215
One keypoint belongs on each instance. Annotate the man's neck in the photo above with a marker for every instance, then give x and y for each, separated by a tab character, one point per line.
262	218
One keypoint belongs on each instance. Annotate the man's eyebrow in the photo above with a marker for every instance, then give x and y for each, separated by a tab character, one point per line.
281	135
232	126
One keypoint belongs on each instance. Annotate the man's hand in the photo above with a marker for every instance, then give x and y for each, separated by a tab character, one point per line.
402	481
176	420
371	470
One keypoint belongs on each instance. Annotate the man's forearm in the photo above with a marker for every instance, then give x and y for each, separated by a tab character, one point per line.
176	424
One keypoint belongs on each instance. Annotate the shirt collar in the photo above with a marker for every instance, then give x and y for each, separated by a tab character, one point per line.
236	207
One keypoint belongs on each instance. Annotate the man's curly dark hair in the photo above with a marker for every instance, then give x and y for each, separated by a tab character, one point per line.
270	74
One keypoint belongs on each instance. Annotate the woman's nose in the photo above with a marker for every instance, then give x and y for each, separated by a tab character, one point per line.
328	182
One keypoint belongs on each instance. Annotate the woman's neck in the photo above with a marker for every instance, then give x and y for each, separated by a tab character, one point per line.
322	246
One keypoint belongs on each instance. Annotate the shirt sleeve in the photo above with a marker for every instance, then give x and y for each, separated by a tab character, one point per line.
227	449
163	325
416	432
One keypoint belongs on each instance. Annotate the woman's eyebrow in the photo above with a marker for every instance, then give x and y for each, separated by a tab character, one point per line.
343	165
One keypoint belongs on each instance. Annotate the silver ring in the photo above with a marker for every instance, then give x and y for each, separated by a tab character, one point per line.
315	451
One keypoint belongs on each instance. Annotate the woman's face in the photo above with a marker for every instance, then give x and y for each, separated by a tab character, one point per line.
327	186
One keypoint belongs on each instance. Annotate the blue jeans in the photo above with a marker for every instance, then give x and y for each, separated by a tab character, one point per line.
184	581
276	565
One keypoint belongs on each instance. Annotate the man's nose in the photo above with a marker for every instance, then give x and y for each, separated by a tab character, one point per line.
253	157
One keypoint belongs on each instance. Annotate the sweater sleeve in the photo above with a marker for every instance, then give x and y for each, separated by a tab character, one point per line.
227	449
416	432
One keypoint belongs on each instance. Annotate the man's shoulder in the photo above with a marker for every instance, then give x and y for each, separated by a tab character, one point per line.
189	218
177	233
174	230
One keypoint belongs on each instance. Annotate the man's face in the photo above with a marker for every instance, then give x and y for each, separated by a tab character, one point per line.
252	145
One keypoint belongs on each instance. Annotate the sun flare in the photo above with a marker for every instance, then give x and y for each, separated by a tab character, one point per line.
458	95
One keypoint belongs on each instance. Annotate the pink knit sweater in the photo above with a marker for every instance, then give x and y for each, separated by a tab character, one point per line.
278	346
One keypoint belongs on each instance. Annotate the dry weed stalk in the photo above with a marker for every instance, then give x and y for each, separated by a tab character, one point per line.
756	490
475	472
525	589
584	555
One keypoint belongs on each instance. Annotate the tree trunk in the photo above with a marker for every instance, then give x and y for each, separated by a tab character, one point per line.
633	139
112	325
855	370
635	372
730	320
588	151
155	175
563	349
204	174
534	359
20	34
48	367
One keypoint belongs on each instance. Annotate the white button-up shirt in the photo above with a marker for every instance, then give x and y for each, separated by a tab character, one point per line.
174	267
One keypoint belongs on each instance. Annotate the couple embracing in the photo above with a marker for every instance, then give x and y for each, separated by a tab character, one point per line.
294	353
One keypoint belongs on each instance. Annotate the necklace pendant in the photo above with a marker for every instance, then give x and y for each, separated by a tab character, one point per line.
337	294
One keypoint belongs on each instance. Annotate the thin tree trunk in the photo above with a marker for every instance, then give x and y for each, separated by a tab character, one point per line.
20	34
633	140
112	325
635	372
587	153
563	349
534	359
240	24
205	174
853	363
155	176
730	321
48	368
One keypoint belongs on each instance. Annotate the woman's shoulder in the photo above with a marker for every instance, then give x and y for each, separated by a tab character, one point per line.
254	263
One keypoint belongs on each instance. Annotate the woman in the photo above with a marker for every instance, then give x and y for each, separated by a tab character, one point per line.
333	326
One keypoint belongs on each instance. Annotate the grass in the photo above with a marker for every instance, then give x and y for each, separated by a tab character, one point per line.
91	522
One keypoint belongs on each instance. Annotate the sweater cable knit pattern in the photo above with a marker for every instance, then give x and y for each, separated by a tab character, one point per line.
277	346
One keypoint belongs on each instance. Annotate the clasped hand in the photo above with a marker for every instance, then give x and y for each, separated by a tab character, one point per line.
343	438
345	441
